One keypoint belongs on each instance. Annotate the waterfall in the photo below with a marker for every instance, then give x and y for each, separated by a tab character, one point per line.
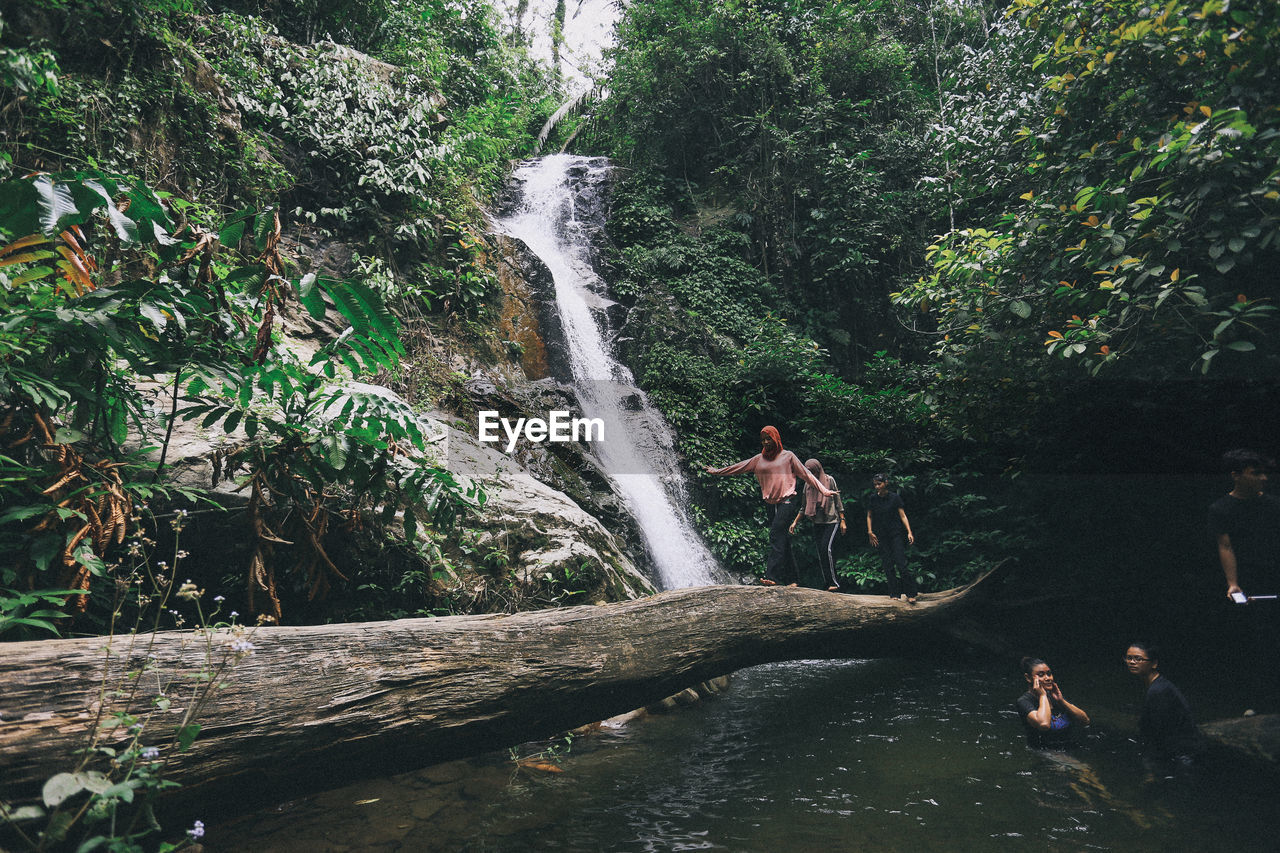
559	215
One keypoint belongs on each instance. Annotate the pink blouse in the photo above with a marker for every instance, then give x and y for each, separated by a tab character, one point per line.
777	477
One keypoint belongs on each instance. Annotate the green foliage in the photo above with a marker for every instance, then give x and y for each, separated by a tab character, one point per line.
15	615
396	152
1143	154
105	797
715	356
77	341
391	151
27	71
797	130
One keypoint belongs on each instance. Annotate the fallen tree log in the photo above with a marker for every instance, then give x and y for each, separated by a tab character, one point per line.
314	706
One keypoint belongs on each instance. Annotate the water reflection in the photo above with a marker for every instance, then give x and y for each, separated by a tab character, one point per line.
874	756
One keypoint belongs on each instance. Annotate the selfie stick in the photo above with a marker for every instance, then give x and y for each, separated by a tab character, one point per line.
1241	598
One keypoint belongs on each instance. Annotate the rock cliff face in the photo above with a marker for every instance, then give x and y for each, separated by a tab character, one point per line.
551	527
554	492
542	529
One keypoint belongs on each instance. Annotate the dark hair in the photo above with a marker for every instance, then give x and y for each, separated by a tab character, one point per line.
1152	650
1235	461
880	478
1029	663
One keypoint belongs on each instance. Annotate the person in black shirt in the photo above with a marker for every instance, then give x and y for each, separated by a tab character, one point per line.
1245	523
1048	719
887	525
1166	728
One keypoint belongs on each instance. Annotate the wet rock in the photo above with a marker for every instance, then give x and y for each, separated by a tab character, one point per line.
541	528
444	774
486	786
615	316
565	466
525	825
529	311
1257	736
427	807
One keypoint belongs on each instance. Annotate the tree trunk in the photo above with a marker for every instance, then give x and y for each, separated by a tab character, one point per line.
314	706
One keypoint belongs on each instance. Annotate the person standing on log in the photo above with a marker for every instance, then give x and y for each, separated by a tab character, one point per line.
1048	719
776	470
827	514
1166	728
887	528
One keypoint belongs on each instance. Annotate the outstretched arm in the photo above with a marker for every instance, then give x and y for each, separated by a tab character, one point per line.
744	466
797	467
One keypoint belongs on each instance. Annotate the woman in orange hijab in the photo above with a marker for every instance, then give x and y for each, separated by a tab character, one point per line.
776	470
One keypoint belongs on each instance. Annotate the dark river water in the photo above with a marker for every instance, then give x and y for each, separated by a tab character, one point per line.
809	756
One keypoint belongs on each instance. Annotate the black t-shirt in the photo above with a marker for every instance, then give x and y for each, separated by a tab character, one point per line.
884	514
1166	725
1063	731
1254	527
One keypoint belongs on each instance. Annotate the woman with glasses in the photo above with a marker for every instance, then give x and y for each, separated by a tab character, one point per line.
1166	728
1049	720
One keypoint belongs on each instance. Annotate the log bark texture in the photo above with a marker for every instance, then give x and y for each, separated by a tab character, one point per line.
314	706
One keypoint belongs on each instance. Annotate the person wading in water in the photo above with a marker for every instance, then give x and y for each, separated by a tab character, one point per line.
1048	719
776	470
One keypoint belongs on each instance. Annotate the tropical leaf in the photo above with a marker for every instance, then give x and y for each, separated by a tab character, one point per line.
55	204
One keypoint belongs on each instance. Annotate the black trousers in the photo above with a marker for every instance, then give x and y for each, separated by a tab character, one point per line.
825	534
780	566
893	560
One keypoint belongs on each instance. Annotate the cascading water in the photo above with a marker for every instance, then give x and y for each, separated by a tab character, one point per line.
637	452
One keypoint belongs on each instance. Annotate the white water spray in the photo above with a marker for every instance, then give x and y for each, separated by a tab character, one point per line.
638	452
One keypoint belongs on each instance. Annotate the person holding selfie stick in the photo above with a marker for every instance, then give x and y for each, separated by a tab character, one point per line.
1245	524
